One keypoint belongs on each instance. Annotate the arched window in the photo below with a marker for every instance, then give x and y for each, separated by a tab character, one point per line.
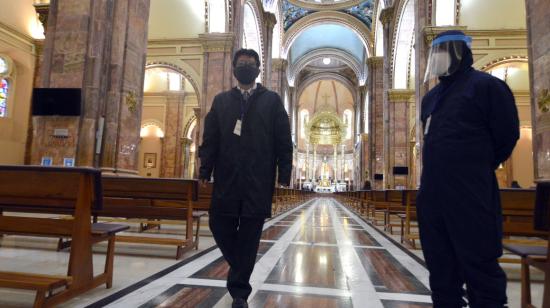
348	116
216	16
445	12
5	83
304	119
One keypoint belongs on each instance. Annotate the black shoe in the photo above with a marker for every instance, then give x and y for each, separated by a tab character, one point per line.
239	303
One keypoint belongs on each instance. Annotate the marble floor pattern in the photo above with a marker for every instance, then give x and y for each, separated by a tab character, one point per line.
317	255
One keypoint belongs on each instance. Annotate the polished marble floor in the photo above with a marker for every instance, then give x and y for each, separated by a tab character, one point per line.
317	255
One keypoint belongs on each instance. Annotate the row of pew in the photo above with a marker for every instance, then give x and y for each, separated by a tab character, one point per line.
81	207
525	225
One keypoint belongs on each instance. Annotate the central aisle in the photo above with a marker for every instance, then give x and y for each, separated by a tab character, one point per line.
318	255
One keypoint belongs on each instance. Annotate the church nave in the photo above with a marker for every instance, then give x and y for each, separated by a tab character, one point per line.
318	255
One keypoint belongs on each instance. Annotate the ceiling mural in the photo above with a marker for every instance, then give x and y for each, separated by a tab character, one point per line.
363	12
292	12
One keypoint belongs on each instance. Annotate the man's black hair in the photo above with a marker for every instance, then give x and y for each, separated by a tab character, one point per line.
246	52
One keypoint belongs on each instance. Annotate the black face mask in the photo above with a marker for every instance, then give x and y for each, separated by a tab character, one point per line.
246	74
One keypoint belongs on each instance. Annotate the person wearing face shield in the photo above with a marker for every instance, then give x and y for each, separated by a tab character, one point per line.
246	143
471	126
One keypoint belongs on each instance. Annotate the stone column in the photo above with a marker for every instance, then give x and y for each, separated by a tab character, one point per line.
278	76
217	70
314	176
539	68
399	134
376	116
98	46
335	161
171	147
186	145
269	22
197	139
386	17
342	163
307	162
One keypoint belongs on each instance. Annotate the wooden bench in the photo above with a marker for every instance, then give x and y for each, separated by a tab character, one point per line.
536	256
74	191
409	220
149	200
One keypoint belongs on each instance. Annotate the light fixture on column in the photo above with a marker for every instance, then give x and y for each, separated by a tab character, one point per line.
326	61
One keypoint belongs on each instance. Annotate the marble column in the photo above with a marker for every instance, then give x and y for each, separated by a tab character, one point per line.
399	134
278	77
98	46
342	163
314	175
307	163
217	70
197	139
376	116
269	23
171	147
335	161
186	145
386	17
539	69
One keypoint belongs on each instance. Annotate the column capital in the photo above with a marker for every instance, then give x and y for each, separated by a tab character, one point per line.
431	32
43	11
375	61
217	42
400	95
279	64
386	15
270	20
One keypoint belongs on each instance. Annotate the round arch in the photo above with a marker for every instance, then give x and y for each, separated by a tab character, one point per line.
326	7
328	17
189	126
326	76
345	57
403	44
500	60
176	68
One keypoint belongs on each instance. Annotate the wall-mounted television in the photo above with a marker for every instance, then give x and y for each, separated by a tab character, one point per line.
378	176
56	101
400	170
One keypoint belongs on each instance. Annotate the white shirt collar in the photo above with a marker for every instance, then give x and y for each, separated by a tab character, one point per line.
250	91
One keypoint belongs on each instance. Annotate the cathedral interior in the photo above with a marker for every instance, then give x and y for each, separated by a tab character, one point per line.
350	74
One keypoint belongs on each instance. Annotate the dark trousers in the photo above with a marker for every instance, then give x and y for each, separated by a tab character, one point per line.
461	245
238	239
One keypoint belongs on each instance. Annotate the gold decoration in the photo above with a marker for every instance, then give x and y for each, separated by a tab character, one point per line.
43	11
400	96
373	61
386	15
544	100
131	101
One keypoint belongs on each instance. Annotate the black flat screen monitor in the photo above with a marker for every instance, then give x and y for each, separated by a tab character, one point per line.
400	170
378	176
56	101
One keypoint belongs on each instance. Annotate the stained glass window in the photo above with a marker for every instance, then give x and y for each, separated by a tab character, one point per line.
4	87
3	66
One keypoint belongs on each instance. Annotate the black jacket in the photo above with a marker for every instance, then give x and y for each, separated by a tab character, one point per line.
474	127
245	166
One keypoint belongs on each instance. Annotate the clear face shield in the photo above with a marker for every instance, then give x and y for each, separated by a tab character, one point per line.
446	55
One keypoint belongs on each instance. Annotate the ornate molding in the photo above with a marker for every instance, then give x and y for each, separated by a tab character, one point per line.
431	32
326	6
504	60
543	100
270	20
325	17
179	70
11	36
278	64
43	11
386	15
400	96
375	61
217	42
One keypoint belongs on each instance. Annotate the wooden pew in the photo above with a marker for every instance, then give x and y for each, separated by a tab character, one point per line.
149	199
409	220
536	256
75	191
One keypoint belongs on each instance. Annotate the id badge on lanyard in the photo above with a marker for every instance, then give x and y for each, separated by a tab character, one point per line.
427	128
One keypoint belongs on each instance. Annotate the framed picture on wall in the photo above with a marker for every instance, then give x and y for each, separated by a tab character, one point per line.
46	161
150	160
68	161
